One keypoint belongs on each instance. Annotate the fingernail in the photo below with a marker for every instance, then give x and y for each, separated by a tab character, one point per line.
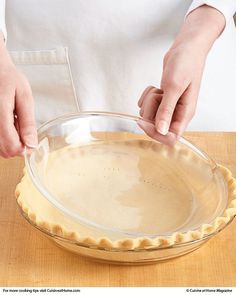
30	141
162	127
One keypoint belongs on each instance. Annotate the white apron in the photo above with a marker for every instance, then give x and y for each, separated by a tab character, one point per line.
100	55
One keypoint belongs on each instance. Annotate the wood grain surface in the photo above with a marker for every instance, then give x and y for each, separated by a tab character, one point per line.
27	258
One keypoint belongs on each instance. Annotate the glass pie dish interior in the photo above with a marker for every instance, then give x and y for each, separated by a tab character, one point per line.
98	185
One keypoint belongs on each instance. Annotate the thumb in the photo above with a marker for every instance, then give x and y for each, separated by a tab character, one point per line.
26	119
166	109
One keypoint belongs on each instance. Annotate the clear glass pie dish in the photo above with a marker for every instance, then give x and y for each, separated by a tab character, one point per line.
99	186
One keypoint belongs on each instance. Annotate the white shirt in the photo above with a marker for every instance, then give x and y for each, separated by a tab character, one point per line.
101	55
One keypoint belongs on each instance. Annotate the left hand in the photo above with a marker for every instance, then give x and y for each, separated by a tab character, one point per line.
170	109
173	106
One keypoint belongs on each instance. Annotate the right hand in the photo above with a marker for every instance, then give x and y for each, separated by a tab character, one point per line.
17	122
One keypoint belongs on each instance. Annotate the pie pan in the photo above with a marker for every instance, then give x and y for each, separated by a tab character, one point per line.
99	186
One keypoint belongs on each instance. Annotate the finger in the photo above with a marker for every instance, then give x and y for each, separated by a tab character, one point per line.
18	131
150	106
171	95
10	144
25	117
141	112
146	91
184	112
3	154
178	127
150	130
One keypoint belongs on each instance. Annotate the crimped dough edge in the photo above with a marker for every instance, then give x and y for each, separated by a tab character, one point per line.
177	238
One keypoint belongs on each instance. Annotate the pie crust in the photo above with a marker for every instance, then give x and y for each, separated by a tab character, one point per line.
39	211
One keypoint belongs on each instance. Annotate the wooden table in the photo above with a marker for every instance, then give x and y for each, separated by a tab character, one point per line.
27	258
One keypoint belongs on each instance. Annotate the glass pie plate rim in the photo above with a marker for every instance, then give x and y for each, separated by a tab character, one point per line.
70	116
103	248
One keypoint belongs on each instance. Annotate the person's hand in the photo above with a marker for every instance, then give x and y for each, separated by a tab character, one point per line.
17	122
167	111
173	106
